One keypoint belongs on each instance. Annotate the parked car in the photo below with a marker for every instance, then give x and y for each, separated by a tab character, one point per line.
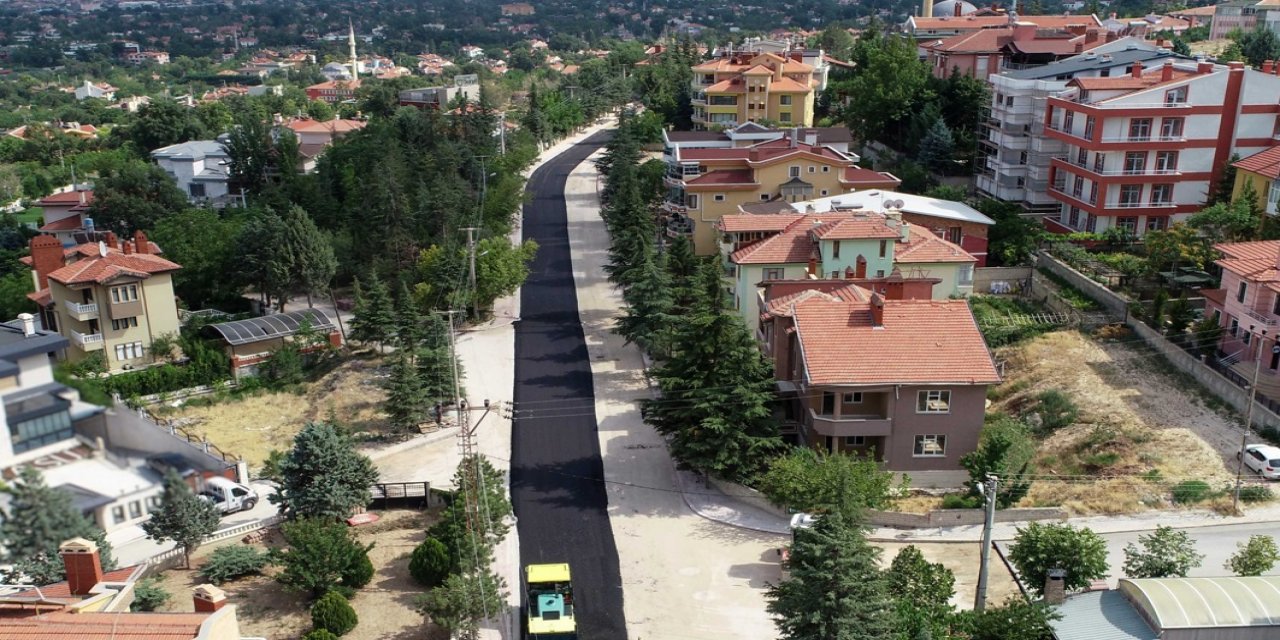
1264	459
228	496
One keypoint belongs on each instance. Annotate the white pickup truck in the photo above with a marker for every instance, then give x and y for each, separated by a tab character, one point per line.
228	496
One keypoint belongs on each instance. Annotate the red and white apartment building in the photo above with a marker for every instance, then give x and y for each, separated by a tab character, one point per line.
1143	149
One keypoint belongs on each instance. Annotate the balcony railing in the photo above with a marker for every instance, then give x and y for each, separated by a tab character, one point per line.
1126	138
87	340
1140	205
1265	319
679	226
81	311
673	207
851	425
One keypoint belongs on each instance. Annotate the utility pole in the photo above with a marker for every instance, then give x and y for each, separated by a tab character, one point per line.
466	445
988	491
471	258
1248	415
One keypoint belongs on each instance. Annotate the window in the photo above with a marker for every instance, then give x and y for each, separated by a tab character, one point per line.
1166	161
964	277
1246	337
930	446
1082	157
773	273
117	515
1077	189
933	401
1161	194
813	169
153	504
1130	195
835	249
719	197
123	323
828	403
125	293
764	196
1099	162
1073	218
1244	288
1088	127
1128	224
1275	307
1090	223
826	169
1176	95
38	432
196	189
135	509
1022	158
1008	101
1235	327
1135	162
1140	129
1157	223
954	234
879	273
784	116
855	441
129	351
784	100
1093	193
824	191
1171	128
1068	119
793	171
853	398
691	200
999	99
884	247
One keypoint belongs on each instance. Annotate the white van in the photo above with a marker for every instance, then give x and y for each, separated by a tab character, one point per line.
228	496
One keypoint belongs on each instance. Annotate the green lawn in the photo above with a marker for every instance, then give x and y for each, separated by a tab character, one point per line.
34	214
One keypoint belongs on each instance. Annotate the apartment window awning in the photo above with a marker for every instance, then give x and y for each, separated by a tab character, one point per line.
238	332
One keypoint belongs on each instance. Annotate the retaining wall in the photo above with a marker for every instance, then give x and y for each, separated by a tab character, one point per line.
126	428
984	276
1113	302
747	495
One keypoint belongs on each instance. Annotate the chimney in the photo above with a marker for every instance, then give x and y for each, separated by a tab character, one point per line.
1077	29
795	137
1023	31
848	273
813	265
1112	36
83	566
1204	67
1079	47
28	324
957	12
1090	36
46	257
140	243
877	311
1055	587
208	598
128	247
113	241
927	10
1136	70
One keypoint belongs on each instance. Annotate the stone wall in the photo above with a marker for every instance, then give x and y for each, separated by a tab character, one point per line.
984	276
1116	304
959	517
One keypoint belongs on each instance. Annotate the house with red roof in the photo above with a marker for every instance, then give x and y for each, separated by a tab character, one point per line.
945	25
1261	171
1144	149
107	296
839	245
1019	45
334	91
706	183
92	604
315	136
750	87
65	214
876	372
1247	306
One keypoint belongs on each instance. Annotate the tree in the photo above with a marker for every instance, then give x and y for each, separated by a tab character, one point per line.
1226	222
1259	45
936	147
183	517
1166	553
135	197
646	321
436	361
430	563
334	614
318	553
406	405
324	476
1254	557
38	519
535	120
890	84
252	157
1181	47
1005	450
162	123
320	110
815	481
836	590
501	268
263	261
373	318
409	322
1181	245
310	255
463	601
1015	619
1221	191
922	593
203	241
716	389
1040	547
836	41
1013	239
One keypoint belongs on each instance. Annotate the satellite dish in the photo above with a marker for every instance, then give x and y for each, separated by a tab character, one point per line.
897	204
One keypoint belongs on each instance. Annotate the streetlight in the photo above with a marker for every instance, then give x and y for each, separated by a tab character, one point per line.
1248	414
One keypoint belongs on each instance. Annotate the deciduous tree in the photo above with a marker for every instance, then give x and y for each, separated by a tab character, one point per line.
183	517
1040	547
1254	557
1164	553
815	481
1006	451
135	197
922	593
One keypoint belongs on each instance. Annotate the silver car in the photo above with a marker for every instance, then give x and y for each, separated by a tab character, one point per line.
1263	458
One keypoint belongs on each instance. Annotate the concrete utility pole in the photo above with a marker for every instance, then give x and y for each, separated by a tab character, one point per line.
1248	415
988	491
471	258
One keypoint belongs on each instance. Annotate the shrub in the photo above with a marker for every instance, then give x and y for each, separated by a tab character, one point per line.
1055	408
1254	557
956	501
334	614
1191	492
1256	493
430	563
319	634
148	596
359	573
231	562
819	482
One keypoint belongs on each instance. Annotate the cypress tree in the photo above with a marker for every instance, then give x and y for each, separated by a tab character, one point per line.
374	320
681	266
406	405
836	590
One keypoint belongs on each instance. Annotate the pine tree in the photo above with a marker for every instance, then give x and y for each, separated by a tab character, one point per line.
436	364
716	389
183	517
937	146
406	404
409	322
647	322
311	260
374	319
323	475
681	267
535	119
836	590
36	522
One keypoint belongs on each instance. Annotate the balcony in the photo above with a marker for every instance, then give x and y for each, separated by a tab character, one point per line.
1267	320
1140	205
87	341
679	226
851	425
673	207
81	311
1113	139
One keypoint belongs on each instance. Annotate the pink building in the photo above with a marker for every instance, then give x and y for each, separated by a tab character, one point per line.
1248	308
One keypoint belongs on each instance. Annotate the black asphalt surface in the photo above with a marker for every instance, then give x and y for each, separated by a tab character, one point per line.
557	476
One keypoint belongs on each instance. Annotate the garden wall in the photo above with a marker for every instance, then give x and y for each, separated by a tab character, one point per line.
125	428
984	276
1114	303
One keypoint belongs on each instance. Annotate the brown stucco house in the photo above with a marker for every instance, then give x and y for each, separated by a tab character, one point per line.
902	379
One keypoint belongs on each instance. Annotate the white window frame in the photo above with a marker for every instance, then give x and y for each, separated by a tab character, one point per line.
719	197
924	442
927	401
793	171
852	397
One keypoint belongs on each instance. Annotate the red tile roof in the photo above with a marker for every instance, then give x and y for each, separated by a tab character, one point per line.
790	246
1252	261
67	197
739	223
335	126
723	176
1264	163
70	223
42	298
835	291
787	85
920	342
981	22
63	589
728	86
976	41
1149	79
104	626
95	268
924	247
856	228
879	179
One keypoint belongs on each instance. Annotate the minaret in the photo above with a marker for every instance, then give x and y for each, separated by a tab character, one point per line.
351	40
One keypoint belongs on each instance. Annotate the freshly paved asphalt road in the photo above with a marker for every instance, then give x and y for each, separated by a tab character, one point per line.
557	476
